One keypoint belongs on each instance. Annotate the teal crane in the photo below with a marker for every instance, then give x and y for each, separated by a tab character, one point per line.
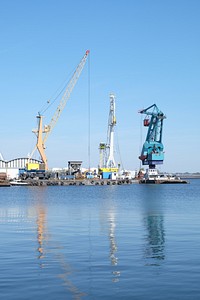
152	153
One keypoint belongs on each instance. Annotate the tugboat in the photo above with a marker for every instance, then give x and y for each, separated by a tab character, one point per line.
152	176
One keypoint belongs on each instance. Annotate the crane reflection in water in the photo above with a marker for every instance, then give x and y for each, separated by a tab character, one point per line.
108	217
155	237
45	247
41	230
154	225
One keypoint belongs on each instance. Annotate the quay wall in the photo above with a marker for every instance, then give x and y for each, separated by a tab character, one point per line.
100	182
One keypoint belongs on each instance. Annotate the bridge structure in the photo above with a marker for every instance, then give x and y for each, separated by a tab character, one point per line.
17	163
12	167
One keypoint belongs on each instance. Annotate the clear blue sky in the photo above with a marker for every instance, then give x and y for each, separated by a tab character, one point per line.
143	51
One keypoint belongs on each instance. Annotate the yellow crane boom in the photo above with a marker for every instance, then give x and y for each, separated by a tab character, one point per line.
66	96
41	140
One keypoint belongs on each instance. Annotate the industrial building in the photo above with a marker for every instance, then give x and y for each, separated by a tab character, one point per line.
12	167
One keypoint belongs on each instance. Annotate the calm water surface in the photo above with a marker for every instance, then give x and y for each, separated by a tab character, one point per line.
100	242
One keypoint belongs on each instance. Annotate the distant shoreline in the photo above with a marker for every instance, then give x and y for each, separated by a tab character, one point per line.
188	176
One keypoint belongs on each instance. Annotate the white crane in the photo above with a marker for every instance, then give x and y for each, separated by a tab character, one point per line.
110	135
107	164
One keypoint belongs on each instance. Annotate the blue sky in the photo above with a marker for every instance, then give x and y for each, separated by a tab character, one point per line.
143	51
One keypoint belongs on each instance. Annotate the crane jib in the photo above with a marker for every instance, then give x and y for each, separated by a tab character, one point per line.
40	146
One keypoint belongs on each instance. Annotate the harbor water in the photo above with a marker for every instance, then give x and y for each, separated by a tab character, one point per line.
100	242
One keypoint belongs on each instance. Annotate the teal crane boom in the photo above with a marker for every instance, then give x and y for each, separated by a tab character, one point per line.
152	153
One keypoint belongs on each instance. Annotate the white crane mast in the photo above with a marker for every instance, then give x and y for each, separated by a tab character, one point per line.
110	136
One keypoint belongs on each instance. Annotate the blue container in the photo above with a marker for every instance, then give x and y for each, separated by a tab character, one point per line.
106	175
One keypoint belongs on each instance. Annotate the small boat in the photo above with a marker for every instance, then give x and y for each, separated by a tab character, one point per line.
18	182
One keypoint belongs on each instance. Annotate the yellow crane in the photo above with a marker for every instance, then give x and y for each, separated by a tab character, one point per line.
43	134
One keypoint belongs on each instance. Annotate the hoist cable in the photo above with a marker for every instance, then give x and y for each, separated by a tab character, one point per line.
89	113
119	152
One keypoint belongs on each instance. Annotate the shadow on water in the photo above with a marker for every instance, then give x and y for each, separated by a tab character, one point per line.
153	219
